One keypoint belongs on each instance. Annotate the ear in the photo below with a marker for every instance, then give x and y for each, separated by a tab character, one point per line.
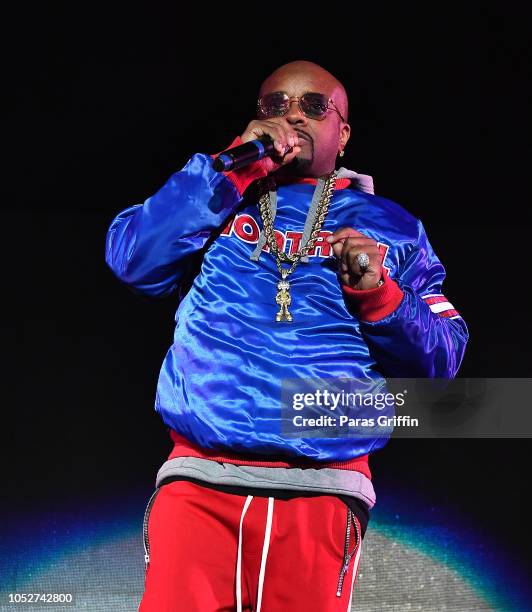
345	133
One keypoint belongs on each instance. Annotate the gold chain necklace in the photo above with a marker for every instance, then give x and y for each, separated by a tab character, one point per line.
283	297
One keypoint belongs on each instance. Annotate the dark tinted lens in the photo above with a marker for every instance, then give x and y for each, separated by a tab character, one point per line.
274	105
314	105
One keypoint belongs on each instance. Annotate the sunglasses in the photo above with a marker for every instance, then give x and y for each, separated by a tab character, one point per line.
312	105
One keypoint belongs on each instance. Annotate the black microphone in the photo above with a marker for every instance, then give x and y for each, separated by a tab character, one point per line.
244	154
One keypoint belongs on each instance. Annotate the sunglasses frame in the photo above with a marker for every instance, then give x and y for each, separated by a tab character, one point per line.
289	99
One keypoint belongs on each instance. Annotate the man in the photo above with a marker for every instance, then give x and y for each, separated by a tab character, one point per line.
287	270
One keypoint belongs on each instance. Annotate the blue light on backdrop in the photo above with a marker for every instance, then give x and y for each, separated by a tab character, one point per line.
413	558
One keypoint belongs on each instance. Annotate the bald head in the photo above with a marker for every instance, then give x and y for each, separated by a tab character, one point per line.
301	70
321	137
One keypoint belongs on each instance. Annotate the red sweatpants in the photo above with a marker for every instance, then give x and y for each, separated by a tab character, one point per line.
211	551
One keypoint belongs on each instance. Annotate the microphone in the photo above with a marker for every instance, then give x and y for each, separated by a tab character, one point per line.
244	154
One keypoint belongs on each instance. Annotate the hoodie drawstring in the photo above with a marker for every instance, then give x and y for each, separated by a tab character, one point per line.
265	548
239	557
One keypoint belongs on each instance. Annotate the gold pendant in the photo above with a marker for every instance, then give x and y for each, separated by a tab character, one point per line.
283	298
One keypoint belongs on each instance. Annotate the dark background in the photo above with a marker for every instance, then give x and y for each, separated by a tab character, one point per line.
102	108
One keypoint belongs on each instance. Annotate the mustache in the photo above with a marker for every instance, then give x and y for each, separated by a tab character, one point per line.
304	135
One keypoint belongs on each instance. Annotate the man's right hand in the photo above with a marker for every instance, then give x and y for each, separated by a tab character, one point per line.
283	136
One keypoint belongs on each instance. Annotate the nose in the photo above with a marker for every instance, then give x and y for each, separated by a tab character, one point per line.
295	115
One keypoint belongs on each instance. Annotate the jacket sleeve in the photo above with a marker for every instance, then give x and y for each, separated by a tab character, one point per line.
148	246
410	327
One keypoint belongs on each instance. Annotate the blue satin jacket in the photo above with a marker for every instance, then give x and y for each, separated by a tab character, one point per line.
220	382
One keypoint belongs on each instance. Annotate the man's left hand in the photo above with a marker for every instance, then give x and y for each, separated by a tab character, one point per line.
347	243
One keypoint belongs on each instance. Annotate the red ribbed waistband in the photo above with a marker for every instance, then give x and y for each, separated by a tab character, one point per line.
184	448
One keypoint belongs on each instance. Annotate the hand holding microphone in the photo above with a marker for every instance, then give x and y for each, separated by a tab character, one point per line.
276	144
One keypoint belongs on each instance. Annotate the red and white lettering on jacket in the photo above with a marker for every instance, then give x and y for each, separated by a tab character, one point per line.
246	228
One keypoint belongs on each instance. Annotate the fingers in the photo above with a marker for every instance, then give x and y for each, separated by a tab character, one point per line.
347	243
343	232
349	262
352	247
339	237
289	156
338	247
280	131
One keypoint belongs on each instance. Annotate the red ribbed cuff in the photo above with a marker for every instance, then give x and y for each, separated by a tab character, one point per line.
375	304
243	177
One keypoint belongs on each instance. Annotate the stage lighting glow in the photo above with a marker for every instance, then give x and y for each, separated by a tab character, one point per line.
405	565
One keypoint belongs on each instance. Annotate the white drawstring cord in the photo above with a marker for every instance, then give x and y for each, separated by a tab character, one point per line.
265	547
239	557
